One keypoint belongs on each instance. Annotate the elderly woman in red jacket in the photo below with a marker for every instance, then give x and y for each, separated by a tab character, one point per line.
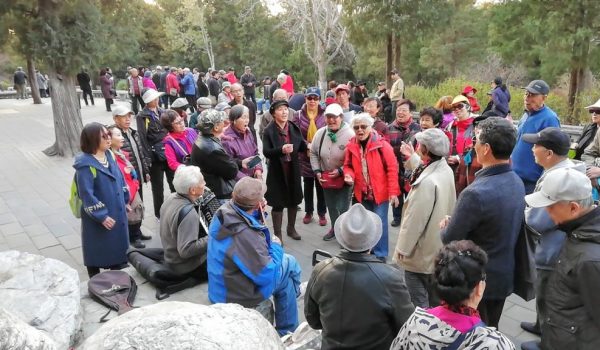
371	166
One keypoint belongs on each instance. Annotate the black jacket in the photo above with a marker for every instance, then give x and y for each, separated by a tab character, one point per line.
151	131
83	79
214	87
218	168
283	191
573	306
20	77
202	88
245	79
358	301
587	136
142	166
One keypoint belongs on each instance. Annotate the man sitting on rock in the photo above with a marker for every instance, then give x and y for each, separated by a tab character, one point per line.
246	265
184	232
357	300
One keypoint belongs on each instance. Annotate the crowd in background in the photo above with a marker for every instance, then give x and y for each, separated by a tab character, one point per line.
458	173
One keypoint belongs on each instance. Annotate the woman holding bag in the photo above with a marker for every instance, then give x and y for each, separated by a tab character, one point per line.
136	214
327	159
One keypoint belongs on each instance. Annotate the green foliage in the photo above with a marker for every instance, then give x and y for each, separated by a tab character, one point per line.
121	84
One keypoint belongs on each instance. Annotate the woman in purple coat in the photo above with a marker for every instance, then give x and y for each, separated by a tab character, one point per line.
106	85
311	118
238	141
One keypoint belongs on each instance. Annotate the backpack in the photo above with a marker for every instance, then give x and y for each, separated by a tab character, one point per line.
113	289
75	201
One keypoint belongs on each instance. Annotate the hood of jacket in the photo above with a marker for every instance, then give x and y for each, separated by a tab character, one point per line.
235	221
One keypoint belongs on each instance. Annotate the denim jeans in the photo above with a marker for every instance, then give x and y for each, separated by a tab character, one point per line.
338	202
381	248
287	289
262	102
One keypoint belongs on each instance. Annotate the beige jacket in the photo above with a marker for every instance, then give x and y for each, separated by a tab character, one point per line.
431	197
331	154
397	90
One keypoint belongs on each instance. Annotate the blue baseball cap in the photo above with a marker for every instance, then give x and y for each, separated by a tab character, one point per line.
313	91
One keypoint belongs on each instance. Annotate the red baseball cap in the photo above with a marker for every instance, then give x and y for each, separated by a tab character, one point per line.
468	89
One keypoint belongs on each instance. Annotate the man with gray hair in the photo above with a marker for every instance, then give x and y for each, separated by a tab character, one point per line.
183	230
572	305
278	95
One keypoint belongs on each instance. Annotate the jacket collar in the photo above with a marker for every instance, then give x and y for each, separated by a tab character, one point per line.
432	168
585	227
493	170
358	257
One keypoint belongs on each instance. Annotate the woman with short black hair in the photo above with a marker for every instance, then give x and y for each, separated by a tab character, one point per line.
178	141
455	324
104	196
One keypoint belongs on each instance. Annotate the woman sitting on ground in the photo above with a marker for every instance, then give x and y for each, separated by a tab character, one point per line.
455	324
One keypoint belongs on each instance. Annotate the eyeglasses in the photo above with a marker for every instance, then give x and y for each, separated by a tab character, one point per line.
179	121
363	127
331	116
126	116
596	112
106	135
312	98
458	107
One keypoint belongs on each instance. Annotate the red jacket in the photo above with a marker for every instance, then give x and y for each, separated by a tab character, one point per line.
127	170
288	85
474	104
172	82
382	165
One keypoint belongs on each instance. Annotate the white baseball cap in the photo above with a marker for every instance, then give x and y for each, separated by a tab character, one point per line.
564	184
334	109
121	110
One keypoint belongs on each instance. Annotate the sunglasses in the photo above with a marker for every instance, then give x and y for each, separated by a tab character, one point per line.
458	107
363	127
312	98
596	112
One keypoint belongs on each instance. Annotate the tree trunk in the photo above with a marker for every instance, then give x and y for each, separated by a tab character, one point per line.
67	116
35	90
388	61
398	53
322	69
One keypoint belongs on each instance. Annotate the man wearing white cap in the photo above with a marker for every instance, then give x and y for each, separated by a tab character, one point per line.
356	299
151	134
572	318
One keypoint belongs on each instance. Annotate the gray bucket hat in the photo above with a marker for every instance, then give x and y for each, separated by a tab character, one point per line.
358	229
209	118
435	140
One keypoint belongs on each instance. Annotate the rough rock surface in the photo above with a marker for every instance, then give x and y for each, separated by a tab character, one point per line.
16	334
43	293
180	325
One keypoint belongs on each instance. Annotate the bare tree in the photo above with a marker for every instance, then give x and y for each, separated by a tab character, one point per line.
316	25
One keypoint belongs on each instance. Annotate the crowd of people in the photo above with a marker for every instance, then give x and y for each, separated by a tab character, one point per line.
468	192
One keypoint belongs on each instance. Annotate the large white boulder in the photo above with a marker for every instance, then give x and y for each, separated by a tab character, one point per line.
43	293
182	325
16	334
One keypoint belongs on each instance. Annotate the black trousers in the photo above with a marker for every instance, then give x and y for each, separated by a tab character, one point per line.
251	96
135	232
490	311
309	204
85	93
191	102
135	100
158	169
108	101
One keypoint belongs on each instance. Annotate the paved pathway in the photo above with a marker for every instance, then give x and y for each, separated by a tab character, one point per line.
35	216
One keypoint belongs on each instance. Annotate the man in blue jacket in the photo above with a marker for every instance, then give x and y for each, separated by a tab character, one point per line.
246	265
490	213
536	118
189	88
